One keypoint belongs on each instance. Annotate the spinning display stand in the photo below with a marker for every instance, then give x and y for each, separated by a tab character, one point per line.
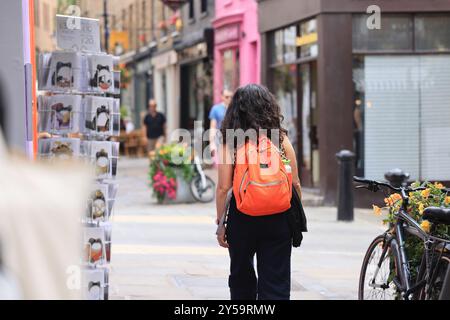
80	112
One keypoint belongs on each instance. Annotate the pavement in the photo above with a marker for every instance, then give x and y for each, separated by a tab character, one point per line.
170	251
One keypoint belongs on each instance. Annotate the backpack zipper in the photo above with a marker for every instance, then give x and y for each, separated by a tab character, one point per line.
269	184
242	183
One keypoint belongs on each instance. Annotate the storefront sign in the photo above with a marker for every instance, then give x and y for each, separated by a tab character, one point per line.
119	41
306	39
198	51
79	34
227	34
165	59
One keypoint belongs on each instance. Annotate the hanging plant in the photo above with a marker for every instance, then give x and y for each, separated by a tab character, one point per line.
125	76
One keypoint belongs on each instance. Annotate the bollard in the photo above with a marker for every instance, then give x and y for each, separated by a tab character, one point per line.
396	177
345	185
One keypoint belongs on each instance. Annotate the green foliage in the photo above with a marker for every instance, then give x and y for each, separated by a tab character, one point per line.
169	159
432	196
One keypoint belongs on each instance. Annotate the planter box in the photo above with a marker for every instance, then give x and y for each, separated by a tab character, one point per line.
184	194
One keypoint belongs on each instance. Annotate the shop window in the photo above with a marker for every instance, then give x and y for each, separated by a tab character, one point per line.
396	34
204	6
307	39
290	49
432	32
191	9
278	50
284	87
405	119
295	42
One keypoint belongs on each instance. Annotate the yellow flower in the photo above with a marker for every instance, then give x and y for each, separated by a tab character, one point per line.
387	201
439	185
421	208
425	193
392	199
447	200
377	210
426	226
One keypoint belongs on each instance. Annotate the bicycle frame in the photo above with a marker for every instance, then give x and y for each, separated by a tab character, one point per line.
395	240
200	172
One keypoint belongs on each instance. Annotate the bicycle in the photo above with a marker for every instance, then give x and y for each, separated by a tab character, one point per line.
386	274
202	187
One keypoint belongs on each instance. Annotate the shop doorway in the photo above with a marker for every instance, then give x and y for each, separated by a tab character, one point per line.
196	94
308	142
231	69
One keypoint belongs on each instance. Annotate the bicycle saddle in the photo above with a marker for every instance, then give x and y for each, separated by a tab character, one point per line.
437	215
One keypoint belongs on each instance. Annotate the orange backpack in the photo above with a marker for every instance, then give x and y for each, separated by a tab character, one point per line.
261	184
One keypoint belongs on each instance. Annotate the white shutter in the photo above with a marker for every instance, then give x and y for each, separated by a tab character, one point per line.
391	115
435	117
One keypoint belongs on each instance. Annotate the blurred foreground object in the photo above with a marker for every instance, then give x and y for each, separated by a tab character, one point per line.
40	230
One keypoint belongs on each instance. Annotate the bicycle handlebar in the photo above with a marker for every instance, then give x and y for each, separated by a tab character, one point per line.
374	186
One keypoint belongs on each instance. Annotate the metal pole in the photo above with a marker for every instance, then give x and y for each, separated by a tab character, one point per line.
105	17
345	185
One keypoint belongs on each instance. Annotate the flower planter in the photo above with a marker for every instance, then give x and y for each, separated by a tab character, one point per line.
184	194
170	179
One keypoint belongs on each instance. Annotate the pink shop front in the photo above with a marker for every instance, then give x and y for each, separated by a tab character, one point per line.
236	46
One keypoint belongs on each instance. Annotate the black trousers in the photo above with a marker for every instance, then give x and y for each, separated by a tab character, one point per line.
269	238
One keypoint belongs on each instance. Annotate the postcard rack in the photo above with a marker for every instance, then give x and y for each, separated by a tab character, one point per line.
78	114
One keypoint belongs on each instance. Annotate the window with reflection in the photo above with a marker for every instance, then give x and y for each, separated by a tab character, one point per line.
307	40
284	87
396	33
432	32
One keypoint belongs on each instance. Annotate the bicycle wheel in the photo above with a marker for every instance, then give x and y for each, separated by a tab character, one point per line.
437	282
201	194
377	273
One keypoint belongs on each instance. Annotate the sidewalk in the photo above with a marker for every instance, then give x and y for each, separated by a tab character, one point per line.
170	252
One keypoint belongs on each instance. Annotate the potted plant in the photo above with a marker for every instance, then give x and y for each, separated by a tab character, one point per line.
170	173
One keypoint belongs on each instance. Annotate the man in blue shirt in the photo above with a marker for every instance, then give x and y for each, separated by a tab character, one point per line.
216	116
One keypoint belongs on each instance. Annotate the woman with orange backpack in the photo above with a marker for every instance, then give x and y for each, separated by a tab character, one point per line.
258	169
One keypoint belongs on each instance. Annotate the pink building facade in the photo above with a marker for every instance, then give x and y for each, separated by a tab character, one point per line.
236	45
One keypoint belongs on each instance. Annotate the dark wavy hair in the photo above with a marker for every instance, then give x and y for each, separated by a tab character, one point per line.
253	107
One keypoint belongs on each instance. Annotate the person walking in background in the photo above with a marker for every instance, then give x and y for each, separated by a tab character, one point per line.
216	116
154	126
260	226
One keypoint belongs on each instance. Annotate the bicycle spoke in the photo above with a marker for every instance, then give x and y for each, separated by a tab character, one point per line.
377	284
